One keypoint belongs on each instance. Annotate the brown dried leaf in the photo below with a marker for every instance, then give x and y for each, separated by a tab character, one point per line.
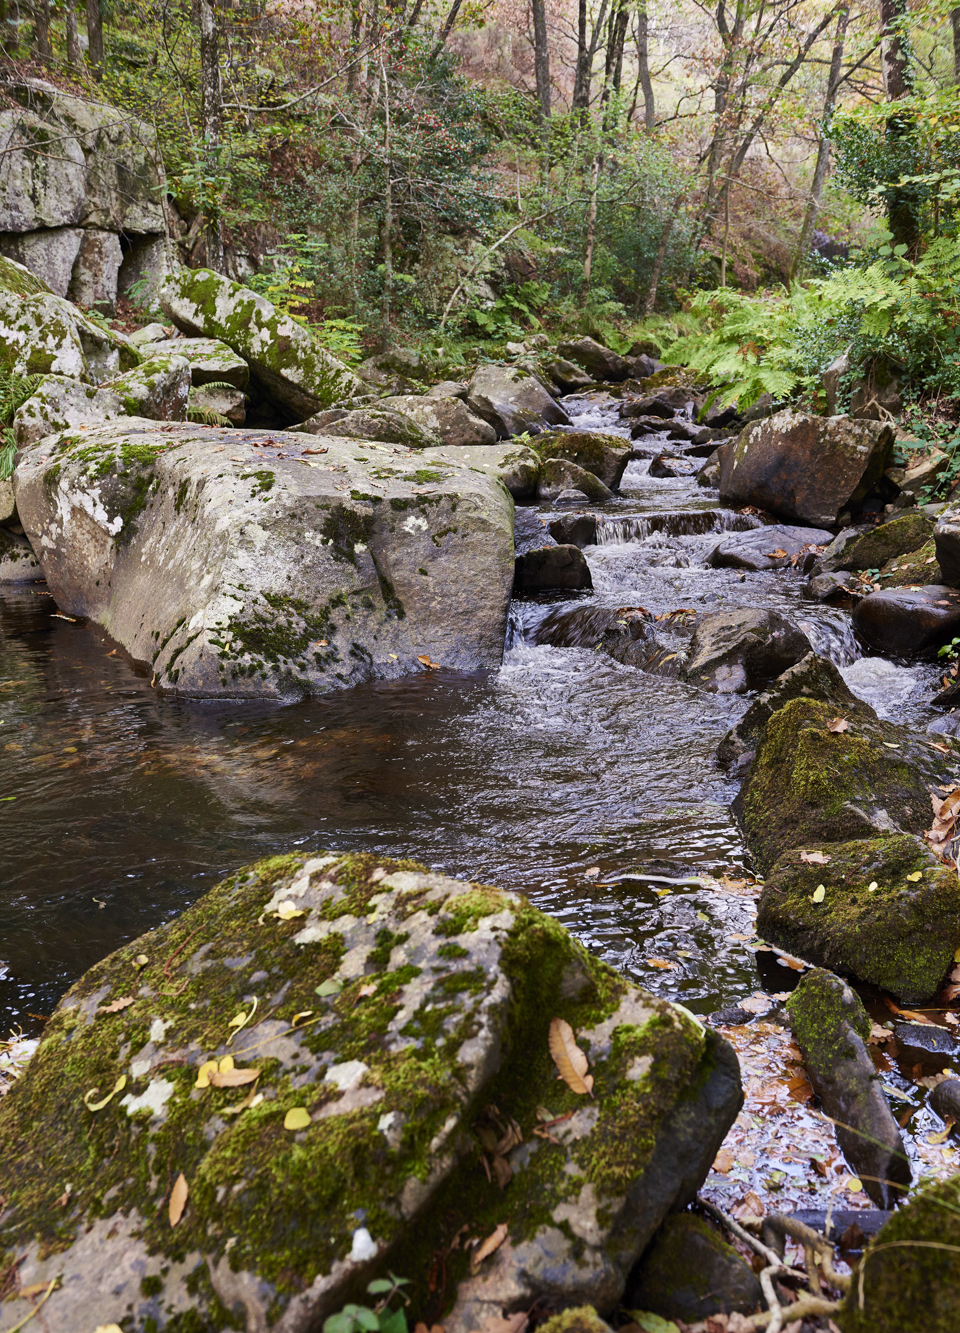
838	724
778	554
178	1199
572	1064
493	1242
757	1003
502	1172
662	963
815	858
232	1078
424	660
723	1162
115	1006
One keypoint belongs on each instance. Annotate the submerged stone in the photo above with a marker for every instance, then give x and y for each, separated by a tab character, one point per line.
392	1027
889	913
243	564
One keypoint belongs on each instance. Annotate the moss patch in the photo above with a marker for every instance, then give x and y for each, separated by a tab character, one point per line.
874	548
916	569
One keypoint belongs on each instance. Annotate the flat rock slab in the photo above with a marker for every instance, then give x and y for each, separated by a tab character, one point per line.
773	547
211	361
908	622
516	465
243	564
390	1028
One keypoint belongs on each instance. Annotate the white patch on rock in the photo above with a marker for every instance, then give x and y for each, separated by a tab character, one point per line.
414	524
639	1068
581	1217
364	1247
346	1075
158	1029
155	1098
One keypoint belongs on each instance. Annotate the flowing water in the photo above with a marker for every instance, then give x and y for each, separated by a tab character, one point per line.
588	785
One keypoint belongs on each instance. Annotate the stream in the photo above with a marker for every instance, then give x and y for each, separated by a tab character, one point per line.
587	785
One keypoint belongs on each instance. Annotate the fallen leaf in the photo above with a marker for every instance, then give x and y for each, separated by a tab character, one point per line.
115	1006
943	1134
854	1186
226	1064
253	1098
592	872
141	960
120	1084
917	875
330	987
288	909
203	1073
299	1018
178	1199
660	962
778	554
723	1162
819	894
755	1004
838	724
298	1117
233	1078
567	1056
493	1241
815	858
424	660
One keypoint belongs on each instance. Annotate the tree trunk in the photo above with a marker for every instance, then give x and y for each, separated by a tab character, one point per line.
74	56
541	68
616	37
650	303
592	220
823	148
387	232
95	38
897	79
643	70
447	28
356	36
211	92
955	24
581	79
41	29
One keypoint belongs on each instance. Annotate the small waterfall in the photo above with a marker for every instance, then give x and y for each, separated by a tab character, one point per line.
687	523
834	639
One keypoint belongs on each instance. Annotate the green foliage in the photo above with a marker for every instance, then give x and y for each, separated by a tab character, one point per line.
14	392
380	1319
517	309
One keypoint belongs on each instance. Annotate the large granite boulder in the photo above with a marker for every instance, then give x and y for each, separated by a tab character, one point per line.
211	361
450	418
819	777
158	389
516	465
320	1073
606	456
239	563
513	401
599	362
370	423
908	622
742	648
44	334
888	913
807	469
286	362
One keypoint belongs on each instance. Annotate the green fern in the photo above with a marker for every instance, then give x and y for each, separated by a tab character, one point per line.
14	392
205	416
8	453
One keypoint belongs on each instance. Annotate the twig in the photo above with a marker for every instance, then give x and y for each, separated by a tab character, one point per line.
42	1301
775	1323
771	1256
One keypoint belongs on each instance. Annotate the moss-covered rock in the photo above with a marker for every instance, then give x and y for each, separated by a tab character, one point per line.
916	569
808	784
18	564
581	1319
513	401
393	1025
18	280
211	361
449	418
559	474
690	1272
876	546
43	334
157	389
911	1269
371	423
287	363
889	913
831	1027
517	466
606	456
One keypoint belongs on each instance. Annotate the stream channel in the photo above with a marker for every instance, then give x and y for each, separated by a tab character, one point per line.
589	786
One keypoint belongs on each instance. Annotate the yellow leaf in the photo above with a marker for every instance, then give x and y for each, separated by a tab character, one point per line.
815	858
141	960
819	894
570	1060
238	1020
298	1117
233	1078
493	1241
854	1185
288	909
253	1098
178	1199
872	886
226	1064
120	1084
942	1135
299	1018
203	1073
917	874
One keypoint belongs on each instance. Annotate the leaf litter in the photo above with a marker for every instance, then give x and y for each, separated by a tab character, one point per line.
571	1062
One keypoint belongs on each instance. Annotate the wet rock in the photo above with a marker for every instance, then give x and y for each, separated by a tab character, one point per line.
690	1272
911	1279
211	361
448	418
435	1001
18	564
550	568
558	475
571	496
946	537
689	431
809	785
920	1040
286	363
915	569
512	401
813	677
773	547
663	406
598	361
576	529
516	465
833	589
670	465
873	922
945	1099
239	564
530	531
710	473
644	427
853	549
624	632
606	456
565	375
741	649
806	468
211	401
719	418
830	1025
908	622
370	423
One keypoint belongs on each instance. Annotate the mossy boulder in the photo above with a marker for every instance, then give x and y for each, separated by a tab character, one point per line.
43	334
59	402
158	388
513	401
448	418
287	363
371	423
559	474
606	456
18	280
211	361
18	564
690	1272
392	1026
248	564
809	785
916	569
911	1270
599	362
876	546
831	1027
889	914
516	465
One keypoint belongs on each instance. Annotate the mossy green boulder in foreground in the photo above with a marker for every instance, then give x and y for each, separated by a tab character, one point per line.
911	1269
347	1060
888	913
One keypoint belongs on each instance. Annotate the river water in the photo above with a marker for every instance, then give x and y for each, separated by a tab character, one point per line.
588	785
